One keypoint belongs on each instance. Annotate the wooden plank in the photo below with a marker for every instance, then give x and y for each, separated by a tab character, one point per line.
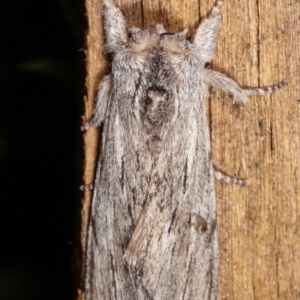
258	225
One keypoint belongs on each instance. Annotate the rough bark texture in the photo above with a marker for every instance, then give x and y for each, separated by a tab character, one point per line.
258	45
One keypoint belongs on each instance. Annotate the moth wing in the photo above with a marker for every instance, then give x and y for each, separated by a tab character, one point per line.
102	103
112	214
175	239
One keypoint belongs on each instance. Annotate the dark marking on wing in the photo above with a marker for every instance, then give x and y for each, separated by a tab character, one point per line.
185	177
172	219
210	278
198	222
122	174
113	275
166	33
211	233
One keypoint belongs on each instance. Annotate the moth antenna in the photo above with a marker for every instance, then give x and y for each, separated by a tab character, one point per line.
207	33
114	26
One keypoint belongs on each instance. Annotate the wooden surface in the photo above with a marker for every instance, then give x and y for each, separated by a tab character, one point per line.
259	45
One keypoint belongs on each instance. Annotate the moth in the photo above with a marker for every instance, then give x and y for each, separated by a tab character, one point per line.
153	231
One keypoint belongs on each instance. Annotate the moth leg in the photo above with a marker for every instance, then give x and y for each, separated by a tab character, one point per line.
228	85
220	176
102	101
266	90
87	187
88	124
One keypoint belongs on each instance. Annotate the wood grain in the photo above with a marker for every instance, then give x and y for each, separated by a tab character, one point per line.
259	44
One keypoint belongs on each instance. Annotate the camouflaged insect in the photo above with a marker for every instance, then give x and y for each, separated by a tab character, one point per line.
153	231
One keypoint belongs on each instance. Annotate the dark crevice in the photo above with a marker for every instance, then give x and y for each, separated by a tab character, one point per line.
258	41
142	12
277	274
199	12
271	140
122	174
258	67
261	127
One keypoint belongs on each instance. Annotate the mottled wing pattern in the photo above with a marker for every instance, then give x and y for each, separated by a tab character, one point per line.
174	247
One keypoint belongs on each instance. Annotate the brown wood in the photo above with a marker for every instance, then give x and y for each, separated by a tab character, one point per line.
259	45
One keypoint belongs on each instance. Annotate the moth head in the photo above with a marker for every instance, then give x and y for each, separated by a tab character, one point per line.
116	34
136	50
143	42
